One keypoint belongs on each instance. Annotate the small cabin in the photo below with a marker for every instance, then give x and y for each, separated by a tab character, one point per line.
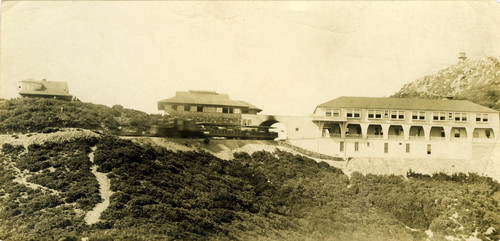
44	89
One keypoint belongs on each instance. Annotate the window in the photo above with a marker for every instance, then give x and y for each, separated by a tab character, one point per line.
407	147
397	131
459	116
456	133
199	109
428	149
353	113
487	133
374	114
356	146
187	108
341	146
418	115
336	113
397	114
386	147
297	129
481	117
439	116
227	110
247	122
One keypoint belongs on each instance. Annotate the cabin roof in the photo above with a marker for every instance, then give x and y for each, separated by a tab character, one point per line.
47	88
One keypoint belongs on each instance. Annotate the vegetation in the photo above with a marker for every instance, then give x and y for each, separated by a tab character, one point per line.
475	80
165	195
37	114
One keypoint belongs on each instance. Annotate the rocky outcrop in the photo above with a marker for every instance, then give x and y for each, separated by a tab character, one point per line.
474	80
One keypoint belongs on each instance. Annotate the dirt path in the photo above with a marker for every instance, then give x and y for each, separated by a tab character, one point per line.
104	190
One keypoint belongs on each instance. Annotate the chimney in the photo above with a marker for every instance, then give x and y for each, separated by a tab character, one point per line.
462	56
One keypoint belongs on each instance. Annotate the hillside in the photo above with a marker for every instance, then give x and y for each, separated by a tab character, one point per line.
474	80
48	189
36	114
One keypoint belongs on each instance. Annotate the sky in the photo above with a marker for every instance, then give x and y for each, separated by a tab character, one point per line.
284	57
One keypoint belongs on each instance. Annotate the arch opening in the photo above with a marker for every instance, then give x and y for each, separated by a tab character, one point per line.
417	132
459	133
396	132
375	131
437	133
483	134
353	130
331	130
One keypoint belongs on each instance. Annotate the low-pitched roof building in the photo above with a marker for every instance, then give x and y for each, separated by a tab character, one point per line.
44	89
209	99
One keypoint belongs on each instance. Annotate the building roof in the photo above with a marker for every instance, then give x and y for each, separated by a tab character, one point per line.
195	97
48	88
405	104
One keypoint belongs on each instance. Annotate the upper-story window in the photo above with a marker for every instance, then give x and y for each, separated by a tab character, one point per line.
439	116
460	116
481	117
374	114
227	110
418	115
333	112
353	113
187	108
397	114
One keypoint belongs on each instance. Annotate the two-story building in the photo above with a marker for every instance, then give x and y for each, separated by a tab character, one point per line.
412	127
213	113
206	107
44	89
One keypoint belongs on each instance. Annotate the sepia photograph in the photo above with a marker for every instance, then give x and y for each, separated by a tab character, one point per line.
250	120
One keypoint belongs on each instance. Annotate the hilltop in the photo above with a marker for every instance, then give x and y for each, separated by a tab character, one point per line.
474	80
37	114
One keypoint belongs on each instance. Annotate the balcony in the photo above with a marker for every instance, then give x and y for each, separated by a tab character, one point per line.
373	136
396	137
353	136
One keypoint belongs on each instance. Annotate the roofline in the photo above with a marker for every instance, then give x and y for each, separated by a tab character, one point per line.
487	111
20	93
190	103
426	109
241	106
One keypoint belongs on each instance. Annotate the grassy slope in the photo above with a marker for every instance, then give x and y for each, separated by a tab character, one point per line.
266	196
35	114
